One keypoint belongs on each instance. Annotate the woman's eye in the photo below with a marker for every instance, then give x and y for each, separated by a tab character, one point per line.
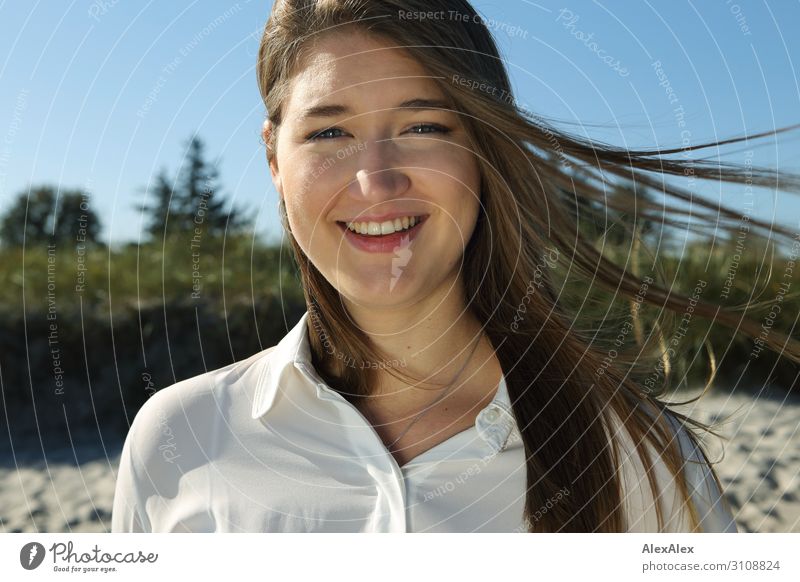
436	128
317	135
325	134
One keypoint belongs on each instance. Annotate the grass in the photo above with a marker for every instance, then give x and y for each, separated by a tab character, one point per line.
220	273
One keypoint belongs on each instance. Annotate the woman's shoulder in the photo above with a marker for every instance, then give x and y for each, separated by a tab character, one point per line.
639	501
188	410
175	434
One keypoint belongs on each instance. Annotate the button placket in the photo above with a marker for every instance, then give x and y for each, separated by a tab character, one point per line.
496	424
389	477
490	429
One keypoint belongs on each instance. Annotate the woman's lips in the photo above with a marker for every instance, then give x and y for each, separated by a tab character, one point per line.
387	243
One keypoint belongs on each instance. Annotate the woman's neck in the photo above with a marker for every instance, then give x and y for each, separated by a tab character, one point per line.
429	344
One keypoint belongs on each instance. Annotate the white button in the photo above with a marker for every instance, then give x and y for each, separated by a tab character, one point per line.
491	414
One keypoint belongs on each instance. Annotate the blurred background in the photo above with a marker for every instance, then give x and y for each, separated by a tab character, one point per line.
140	242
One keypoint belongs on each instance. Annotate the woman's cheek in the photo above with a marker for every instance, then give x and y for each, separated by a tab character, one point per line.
451	164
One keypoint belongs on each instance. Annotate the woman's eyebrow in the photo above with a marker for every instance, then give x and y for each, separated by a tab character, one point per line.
335	109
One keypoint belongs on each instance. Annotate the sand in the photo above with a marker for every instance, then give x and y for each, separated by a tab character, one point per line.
759	455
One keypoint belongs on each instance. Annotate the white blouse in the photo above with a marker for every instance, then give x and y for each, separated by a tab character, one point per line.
264	445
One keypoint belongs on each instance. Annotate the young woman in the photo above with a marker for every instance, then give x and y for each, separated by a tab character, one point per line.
437	381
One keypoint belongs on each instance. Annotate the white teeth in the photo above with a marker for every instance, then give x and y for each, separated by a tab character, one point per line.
383	228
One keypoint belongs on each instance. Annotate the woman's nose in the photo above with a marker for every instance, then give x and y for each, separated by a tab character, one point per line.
379	175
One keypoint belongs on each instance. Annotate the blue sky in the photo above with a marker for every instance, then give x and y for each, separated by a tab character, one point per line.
101	94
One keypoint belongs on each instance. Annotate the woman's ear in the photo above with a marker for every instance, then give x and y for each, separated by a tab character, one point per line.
267	133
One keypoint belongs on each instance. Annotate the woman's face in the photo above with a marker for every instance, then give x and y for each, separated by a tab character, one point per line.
376	156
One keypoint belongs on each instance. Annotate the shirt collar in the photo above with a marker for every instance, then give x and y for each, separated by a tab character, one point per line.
293	350
495	423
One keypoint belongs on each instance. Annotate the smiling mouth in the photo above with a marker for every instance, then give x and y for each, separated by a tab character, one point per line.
391	242
418	220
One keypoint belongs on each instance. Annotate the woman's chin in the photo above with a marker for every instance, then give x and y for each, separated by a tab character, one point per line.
381	291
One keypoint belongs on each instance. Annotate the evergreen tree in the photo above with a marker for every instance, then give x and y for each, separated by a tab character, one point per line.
193	201
200	202
160	210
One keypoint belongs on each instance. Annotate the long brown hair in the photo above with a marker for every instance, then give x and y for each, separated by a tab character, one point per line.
536	180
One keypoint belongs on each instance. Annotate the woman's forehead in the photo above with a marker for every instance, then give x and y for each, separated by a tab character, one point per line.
364	71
